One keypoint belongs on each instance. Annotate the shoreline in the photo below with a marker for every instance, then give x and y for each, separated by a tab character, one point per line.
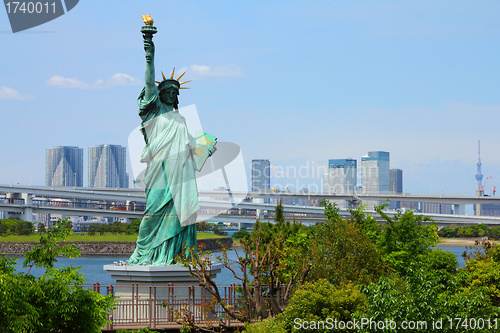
461	241
105	248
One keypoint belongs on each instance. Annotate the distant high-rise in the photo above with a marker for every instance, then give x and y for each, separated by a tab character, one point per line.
108	166
396	181
64	166
395	186
375	173
261	175
341	177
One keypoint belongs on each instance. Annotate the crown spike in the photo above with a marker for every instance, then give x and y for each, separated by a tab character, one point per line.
184	88
173	71
181	76
163	76
184	82
157	82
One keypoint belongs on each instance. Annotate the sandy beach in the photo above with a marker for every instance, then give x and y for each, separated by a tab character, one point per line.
460	241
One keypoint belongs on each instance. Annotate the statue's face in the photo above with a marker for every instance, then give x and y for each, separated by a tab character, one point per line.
169	96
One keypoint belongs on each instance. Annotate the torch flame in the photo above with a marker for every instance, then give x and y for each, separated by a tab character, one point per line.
147	19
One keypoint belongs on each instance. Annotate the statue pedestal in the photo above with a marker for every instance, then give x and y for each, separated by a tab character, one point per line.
138	280
155	294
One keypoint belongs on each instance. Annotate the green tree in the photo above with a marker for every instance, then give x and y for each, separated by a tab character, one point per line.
54	302
447	232
92	229
216	230
494	232
203	226
341	252
40	227
434	290
404	238
133	226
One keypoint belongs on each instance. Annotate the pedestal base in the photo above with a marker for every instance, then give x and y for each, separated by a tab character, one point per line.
160	277
157	294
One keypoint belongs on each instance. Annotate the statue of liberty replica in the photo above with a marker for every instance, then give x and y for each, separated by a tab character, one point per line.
172	156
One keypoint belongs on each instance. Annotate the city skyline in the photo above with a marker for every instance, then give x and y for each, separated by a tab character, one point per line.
408	78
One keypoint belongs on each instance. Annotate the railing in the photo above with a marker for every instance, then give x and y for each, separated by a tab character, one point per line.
166	306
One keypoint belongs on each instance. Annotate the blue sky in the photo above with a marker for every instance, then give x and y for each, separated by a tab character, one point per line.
296	82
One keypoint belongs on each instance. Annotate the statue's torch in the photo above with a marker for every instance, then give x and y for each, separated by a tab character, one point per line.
148	30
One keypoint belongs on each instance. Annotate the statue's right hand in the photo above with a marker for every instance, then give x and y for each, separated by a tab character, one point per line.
149	46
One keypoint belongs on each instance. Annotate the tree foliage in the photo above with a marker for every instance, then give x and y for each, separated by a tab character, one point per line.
356	268
54	302
404	238
116	227
341	252
15	226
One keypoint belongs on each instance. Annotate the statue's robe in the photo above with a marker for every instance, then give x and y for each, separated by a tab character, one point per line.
169	220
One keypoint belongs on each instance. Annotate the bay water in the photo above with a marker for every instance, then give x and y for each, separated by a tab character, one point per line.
92	267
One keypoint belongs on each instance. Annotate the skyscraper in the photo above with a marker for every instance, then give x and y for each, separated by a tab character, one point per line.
375	173
261	175
395	186
108	166
396	181
342	176
64	166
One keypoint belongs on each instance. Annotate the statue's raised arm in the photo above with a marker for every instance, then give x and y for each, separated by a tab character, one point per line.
149	47
149	75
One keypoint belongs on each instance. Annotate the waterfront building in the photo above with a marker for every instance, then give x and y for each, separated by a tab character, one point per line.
395	186
108	166
375	174
64	166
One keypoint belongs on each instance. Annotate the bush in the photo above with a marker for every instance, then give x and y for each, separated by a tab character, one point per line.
269	325
318	301
240	234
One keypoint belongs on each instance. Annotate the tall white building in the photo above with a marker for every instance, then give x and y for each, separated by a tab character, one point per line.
64	166
375	174
108	166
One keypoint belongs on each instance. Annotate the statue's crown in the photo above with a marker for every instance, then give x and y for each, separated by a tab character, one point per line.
171	82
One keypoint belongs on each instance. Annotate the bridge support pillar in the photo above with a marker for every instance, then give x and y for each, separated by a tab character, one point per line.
28	210
459	209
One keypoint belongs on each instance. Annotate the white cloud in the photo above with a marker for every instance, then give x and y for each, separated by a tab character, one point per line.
122	79
118	79
10	93
63	82
228	70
